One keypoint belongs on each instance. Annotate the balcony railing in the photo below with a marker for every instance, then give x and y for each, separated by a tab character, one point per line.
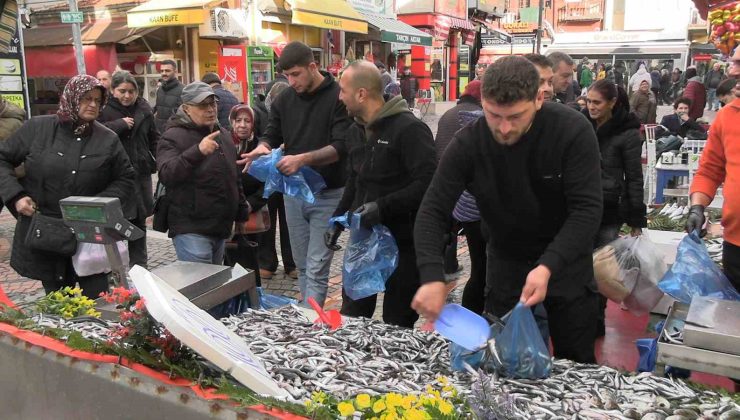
582	11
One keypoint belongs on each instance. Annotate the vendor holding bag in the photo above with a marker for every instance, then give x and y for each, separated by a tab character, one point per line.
64	154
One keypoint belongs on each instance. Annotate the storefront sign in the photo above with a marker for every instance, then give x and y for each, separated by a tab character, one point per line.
487	40
386	36
523	40
702	57
12	78
372	6
202	333
455	8
71	17
328	22
174	17
518	27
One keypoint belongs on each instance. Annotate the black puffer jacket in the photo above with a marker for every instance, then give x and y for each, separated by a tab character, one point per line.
169	99
620	145
449	123
253	187
59	164
205	192
140	141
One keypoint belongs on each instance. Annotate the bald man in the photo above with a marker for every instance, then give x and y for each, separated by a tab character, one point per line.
104	77
391	163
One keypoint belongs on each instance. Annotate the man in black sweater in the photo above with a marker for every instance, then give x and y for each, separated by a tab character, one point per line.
391	163
533	168
311	123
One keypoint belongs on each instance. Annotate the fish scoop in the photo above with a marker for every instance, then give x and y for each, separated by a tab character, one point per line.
463	327
332	319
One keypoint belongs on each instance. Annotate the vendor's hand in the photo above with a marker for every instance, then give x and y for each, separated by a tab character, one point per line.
696	220
129	122
290	164
332	235
369	214
208	144
429	300
25	206
535	287
247	158
635	232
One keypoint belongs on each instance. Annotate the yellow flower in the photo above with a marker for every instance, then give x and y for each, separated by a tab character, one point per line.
415	414
378	406
363	401
408	401
445	407
389	415
442	380
393	400
346	408
319	397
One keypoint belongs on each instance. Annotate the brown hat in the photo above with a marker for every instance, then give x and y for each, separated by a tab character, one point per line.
473	89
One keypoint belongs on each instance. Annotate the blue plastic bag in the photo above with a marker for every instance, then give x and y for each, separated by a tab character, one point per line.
648	349
521	351
370	258
695	274
303	185
269	301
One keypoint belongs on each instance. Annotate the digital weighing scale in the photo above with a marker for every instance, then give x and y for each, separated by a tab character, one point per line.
100	220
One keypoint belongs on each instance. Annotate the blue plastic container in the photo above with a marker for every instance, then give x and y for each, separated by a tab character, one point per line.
462	326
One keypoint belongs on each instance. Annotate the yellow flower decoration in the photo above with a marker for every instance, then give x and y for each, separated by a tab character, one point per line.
415	414
378	406
442	380
445	407
363	401
346	408
390	415
408	401
393	400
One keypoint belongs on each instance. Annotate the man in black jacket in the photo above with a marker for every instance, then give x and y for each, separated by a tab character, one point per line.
197	164
533	168
311	122
168	94
391	162
679	123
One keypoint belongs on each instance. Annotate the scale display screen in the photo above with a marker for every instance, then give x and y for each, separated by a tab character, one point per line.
77	213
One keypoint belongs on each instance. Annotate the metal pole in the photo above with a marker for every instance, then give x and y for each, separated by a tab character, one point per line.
77	39
539	25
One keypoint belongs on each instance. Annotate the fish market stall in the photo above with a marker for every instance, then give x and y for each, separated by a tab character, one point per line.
703	336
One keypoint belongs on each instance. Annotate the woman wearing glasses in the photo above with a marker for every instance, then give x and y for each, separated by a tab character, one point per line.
64	154
197	164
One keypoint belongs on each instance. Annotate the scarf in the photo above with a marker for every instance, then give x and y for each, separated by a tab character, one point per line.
69	104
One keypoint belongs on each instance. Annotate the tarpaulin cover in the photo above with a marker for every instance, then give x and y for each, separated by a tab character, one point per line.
60	61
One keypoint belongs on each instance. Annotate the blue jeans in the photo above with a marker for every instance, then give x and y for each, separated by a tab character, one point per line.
194	247
712	101
307	224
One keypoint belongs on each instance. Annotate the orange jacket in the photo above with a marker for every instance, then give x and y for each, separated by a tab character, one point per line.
720	162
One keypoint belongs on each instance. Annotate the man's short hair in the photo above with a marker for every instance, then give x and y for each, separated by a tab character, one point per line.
170	63
557	57
726	86
210	77
539	60
511	79
682	100
295	54
366	75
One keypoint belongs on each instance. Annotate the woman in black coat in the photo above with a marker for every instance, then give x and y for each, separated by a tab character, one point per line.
66	154
618	131
132	119
244	248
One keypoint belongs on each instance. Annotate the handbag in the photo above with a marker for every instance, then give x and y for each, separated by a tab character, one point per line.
258	222
50	234
161	208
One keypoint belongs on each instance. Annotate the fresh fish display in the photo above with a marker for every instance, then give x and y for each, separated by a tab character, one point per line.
584	391
363	356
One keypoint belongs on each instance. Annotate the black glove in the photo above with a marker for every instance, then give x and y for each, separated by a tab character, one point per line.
369	214
696	220
332	235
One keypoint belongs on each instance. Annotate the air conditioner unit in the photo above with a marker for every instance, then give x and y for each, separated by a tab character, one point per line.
225	23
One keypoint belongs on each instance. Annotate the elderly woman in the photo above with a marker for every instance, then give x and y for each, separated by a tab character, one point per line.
66	154
131	117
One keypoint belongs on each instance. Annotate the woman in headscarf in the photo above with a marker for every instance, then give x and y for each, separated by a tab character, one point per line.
66	154
246	251
132	119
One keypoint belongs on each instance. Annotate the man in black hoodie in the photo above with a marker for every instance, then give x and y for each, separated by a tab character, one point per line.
168	95
311	122
391	162
533	168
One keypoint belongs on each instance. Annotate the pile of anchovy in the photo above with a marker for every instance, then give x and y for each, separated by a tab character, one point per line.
584	391
363	356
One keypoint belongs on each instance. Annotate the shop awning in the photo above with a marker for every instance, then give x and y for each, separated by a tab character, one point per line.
392	30
443	25
327	14
99	32
655	48
156	13
59	61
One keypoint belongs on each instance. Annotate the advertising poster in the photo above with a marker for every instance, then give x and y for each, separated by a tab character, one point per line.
232	69
12	76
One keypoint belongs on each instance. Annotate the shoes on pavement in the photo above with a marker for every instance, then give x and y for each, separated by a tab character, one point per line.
293	274
266	274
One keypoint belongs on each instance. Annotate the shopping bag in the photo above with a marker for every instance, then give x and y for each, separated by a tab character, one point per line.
370	258
627	271
303	185
695	274
270	301
521	352
92	259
